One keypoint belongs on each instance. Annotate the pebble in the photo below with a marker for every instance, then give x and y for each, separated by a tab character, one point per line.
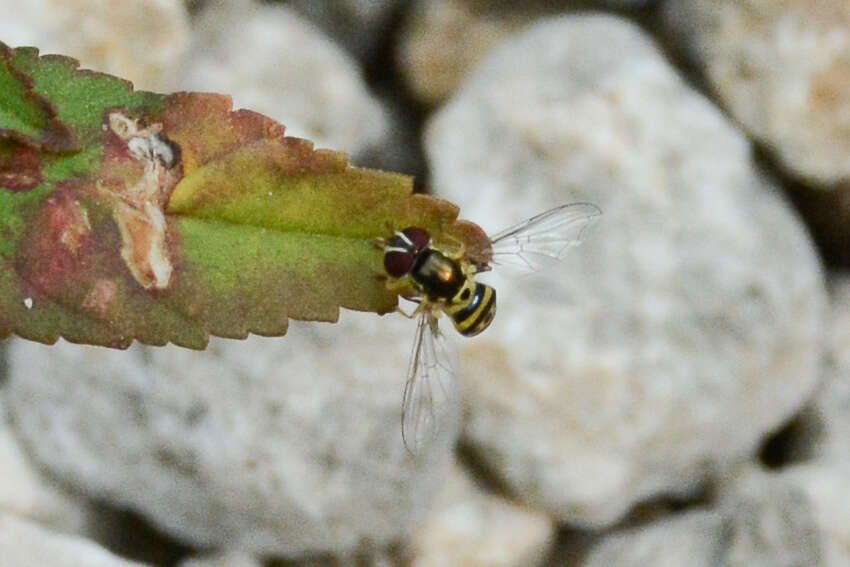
25	544
782	69
768	524
684	329
144	42
358	25
471	526
824	428
274	61
28	494
273	446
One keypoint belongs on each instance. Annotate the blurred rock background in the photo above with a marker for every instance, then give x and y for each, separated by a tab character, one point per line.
677	392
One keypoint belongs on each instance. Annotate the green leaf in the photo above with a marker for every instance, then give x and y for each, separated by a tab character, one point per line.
176	217
24	114
58	80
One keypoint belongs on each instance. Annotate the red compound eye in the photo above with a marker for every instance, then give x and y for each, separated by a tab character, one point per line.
398	264
418	236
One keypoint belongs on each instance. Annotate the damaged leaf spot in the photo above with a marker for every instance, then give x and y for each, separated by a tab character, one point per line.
145	143
68	222
76	228
57	240
139	208
20	167
101	297
143	232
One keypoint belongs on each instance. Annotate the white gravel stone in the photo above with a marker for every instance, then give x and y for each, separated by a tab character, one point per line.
825	425
770	522
144	42
470	526
24	544
275	446
687	325
443	40
767	523
357	24
235	559
277	63
783	70
695	539
27	493
826	486
626	3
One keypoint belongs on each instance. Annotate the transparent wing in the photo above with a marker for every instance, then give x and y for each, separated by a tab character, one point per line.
429	388
544	239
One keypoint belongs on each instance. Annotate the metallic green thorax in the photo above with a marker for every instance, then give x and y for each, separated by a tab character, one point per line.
450	282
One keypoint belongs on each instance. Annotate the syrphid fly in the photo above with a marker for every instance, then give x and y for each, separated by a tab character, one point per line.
440	278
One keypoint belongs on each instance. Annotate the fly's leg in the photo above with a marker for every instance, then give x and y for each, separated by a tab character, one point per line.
416	311
402	288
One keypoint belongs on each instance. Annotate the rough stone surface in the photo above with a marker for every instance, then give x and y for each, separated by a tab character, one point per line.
826	486
827	215
824	429
783	70
768	524
144	42
24	544
26	493
275	62
687	325
444	39
695	539
469	526
235	559
357	24
626	3
277	446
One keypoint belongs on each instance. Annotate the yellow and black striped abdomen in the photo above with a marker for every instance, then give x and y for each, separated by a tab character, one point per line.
473	316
